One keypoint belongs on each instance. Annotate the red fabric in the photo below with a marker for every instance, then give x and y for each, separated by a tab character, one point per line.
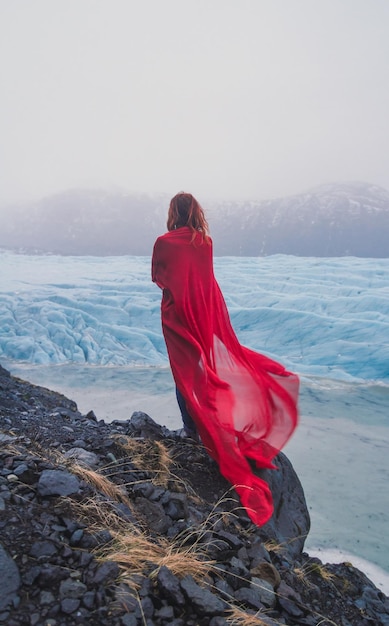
243	403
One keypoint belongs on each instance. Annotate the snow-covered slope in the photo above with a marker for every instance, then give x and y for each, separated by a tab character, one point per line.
330	220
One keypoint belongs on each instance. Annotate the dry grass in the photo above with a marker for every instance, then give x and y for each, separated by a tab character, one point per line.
96	514
34	449
149	456
11	449
273	546
99	482
95	478
135	553
311	567
238	617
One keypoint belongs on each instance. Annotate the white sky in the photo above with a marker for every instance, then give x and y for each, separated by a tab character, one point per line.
224	98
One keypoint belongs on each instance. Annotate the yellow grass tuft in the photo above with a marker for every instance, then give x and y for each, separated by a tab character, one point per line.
97	514
311	567
238	617
100	482
272	546
149	456
136	553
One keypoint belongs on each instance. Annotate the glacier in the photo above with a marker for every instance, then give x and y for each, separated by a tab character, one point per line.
324	317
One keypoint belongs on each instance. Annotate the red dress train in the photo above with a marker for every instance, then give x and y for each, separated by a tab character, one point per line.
243	403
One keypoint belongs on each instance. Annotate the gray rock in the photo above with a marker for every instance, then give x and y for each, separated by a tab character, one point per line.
88	599
57	483
166	613
9	577
257	553
249	597
373	599
290	607
25	473
234	541
34	619
169	586
290	522
76	537
264	590
238	568
204	601
218	621
224	589
85	457
124	511
109	570
46	597
21	469
70	605
145	610
49	574
79	443
6	494
154	512
177	507
129	619
217	549
31	575
144	425
6	438
285	591
126	597
71	589
4	372
42	548
144	490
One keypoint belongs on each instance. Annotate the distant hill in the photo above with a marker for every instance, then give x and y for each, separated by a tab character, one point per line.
85	222
348	219
331	220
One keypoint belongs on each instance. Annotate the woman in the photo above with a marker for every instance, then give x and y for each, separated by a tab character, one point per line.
242	404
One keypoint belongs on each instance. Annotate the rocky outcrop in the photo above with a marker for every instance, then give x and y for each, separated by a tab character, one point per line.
128	524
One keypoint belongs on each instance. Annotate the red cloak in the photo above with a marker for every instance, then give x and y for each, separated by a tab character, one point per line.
243	403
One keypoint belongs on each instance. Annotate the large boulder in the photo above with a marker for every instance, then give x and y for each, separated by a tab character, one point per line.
290	522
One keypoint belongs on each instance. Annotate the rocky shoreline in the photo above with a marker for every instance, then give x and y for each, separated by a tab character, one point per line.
128	524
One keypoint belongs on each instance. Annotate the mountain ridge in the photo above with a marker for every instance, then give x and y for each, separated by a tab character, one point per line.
335	219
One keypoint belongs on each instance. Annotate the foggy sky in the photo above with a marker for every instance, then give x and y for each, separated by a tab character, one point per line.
227	99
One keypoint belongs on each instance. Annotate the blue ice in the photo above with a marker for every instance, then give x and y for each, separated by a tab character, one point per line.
325	317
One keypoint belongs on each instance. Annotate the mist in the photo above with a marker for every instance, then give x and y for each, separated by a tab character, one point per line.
249	99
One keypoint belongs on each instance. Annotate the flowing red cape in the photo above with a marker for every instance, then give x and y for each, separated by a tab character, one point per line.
243	403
